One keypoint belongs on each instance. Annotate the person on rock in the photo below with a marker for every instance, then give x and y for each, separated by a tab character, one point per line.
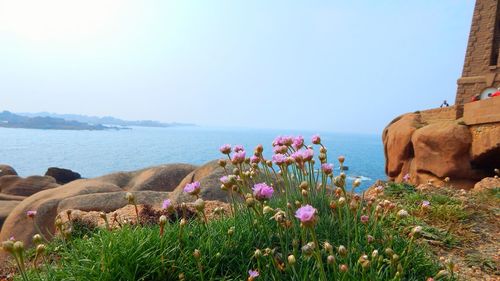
444	104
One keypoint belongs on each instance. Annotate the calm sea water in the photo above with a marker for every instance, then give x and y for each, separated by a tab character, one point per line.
95	153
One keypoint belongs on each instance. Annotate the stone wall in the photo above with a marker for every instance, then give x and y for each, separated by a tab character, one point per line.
481	66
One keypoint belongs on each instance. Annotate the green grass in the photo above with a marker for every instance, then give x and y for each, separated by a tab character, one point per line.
227	246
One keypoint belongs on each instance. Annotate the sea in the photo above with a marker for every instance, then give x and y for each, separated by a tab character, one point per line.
96	153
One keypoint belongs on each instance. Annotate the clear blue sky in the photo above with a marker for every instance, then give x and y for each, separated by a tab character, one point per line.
344	66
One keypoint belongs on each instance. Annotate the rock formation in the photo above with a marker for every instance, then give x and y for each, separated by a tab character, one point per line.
62	176
435	144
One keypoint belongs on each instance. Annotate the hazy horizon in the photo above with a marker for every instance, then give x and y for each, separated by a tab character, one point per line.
326	66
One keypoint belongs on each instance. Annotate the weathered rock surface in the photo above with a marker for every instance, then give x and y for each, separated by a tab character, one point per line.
159	178
6	170
5	208
397	144
62	176
15	185
487	183
432	145
208	175
46	203
110	201
106	193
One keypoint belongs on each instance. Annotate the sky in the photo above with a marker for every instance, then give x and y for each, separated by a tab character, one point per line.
341	66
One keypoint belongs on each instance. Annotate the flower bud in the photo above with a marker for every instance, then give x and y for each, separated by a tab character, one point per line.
130	198
343	268
267	210
291	259
304	193
257	254
330	259
356	183
222	163
304	185
250	201
328	247
197	254
40	249
341	201
322	149
236	171
8	246
308	249
341	159
18	247
402	214
183	222
370	239
375	254
230	232
199	205
416	231
37	239
163	220
389	252
342	251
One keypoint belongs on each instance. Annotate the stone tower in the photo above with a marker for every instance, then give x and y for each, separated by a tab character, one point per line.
481	73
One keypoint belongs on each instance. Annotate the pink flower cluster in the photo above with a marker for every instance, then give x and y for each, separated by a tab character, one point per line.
279	159
192	188
262	191
306	214
327	168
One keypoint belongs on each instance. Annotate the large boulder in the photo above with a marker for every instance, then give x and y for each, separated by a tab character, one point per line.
62	176
106	193
46	204
159	178
110	201
15	185
398	147
6	170
208	175
442	149
436	146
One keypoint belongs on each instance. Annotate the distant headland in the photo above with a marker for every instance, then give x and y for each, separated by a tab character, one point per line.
48	121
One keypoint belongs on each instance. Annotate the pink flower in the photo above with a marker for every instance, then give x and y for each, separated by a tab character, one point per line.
327	168
12	238
306	214
308	154
254	159
298	156
406	177
287	140
238	148
224	180
262	191
426	204
298	142
279	159
316	139
239	157
31	214
192	188
253	274
225	149
278	141
166	204
364	219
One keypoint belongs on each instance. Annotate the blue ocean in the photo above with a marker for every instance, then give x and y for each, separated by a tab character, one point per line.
95	153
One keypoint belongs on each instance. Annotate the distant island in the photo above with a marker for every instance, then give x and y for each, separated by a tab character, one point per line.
107	120
11	120
54	121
